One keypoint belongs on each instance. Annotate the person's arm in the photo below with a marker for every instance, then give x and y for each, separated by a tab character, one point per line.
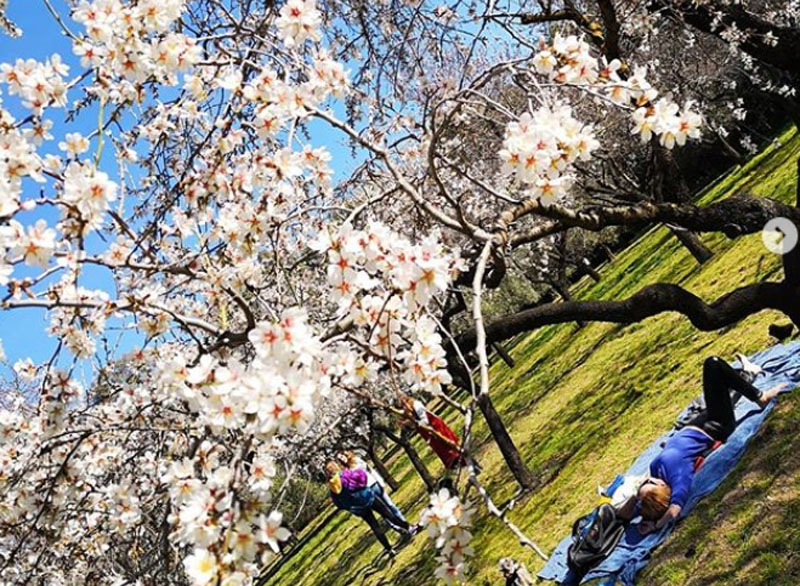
672	513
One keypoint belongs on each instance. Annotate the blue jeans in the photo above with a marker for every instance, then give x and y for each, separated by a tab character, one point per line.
381	495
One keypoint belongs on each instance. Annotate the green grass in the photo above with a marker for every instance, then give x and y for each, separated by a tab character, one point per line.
581	403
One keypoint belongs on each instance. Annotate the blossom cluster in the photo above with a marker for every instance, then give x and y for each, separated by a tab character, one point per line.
278	101
569	60
220	516
540	147
35	246
385	282
273	394
132	41
88	192
178	442
77	327
299	20
448	520
39	85
77	486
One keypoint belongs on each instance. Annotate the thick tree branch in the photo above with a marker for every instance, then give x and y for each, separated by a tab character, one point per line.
715	17
651	300
734	216
568	13
612	26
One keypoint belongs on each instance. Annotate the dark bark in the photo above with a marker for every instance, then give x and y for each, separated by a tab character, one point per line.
586	267
669	186
404	442
503	354
563	290
494	421
691	241
383	470
650	301
508	449
611	25
791	260
704	17
734	216
569	12
737	157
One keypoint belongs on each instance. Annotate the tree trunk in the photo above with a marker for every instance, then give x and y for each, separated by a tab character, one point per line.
669	186
791	260
693	244
735	155
717	17
403	441
503	353
383	470
589	270
511	454
609	253
651	300
563	291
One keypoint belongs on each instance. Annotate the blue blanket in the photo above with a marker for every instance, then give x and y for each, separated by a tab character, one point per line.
781	364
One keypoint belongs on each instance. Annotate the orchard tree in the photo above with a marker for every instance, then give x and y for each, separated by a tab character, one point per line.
262	292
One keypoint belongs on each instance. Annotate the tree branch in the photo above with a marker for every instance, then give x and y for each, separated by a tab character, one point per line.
734	216
650	301
715	17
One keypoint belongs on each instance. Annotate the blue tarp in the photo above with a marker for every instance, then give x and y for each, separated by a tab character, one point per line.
781	363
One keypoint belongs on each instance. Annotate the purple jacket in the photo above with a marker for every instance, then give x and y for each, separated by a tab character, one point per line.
355	496
352	480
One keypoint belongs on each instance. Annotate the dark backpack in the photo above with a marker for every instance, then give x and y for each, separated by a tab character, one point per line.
594	536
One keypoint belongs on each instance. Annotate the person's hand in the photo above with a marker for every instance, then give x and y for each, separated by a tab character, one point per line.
672	513
646	527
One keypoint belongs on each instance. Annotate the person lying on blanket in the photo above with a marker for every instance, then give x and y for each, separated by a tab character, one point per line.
663	494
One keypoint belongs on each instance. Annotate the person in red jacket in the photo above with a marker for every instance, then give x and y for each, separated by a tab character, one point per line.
436	433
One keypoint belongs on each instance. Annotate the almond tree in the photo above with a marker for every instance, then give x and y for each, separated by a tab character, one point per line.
260	292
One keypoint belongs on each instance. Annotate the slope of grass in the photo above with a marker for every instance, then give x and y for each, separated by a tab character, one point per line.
581	403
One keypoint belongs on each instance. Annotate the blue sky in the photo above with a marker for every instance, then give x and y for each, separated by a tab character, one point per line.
23	331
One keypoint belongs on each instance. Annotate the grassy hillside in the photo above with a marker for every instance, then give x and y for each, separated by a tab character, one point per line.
581	403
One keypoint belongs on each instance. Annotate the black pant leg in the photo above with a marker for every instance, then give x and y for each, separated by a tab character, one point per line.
718	378
376	528
380	507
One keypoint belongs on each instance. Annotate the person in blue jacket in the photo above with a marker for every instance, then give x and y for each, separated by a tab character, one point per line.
662	496
350	492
